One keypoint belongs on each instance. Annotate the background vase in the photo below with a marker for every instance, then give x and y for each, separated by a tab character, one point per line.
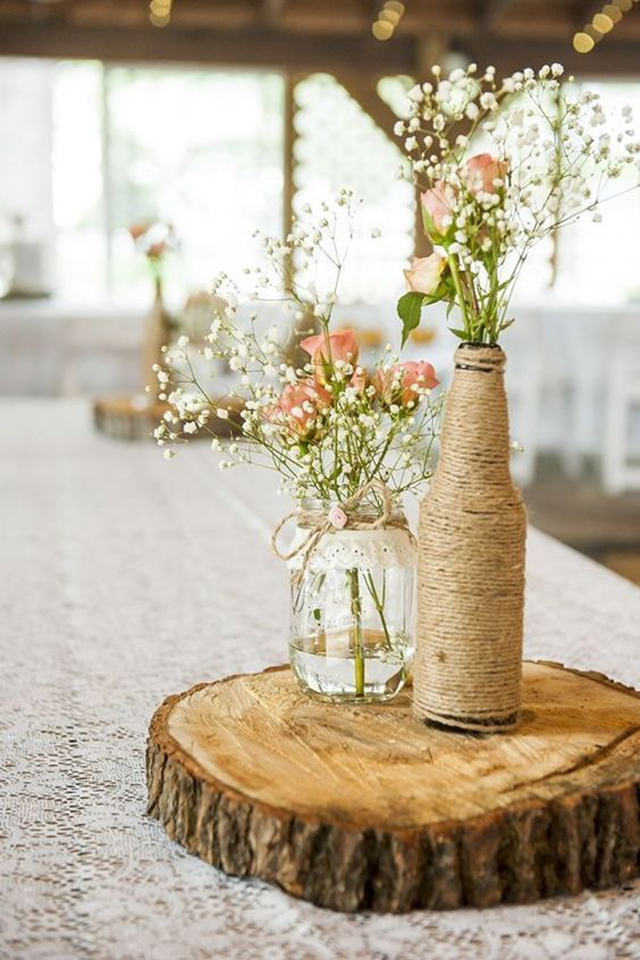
471	551
157	333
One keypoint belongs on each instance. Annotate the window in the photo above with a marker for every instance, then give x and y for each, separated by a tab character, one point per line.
197	148
108	146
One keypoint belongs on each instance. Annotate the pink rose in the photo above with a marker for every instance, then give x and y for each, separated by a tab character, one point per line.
301	403
157	250
438	205
272	413
403	382
342	346
424	274
138	230
360	380
337	517
479	173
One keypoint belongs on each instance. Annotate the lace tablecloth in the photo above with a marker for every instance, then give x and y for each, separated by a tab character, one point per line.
124	579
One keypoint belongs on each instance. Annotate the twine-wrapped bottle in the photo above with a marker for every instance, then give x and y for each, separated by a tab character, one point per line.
471	547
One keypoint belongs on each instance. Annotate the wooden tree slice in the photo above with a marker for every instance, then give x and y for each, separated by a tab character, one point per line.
363	807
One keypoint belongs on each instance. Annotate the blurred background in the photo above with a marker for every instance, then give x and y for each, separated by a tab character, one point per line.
143	143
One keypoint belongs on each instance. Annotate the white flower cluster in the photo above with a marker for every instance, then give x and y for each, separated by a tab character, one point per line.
308	408
547	159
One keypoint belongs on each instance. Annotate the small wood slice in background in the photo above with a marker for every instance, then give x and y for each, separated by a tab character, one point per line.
364	808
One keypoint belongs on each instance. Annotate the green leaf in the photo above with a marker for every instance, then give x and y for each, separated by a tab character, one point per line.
461	334
409	311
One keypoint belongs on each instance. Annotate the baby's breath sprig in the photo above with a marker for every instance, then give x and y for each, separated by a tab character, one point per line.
549	160
323	421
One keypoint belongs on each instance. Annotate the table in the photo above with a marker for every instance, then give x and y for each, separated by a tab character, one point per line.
50	348
126	578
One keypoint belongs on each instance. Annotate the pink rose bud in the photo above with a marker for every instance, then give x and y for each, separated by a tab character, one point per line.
337	517
300	405
438	205
481	171
424	275
342	345
405	383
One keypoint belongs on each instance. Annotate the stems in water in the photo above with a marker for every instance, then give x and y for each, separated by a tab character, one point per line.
378	603
356	610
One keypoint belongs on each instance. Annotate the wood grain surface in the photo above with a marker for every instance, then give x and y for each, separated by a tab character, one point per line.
363	807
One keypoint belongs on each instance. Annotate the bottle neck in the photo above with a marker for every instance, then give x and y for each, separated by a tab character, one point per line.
474	448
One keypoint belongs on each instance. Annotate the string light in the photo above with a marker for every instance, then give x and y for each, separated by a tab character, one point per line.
602	23
583	43
382	30
388	19
612	11
160	12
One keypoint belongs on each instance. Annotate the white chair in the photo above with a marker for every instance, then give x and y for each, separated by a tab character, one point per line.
620	472
589	335
561	338
100	353
524	378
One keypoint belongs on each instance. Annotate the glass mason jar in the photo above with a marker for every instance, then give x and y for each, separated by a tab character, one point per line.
352	608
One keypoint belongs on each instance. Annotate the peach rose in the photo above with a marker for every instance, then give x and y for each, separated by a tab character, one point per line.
138	230
479	173
359	380
424	274
342	346
438	205
156	250
403	381
272	413
301	403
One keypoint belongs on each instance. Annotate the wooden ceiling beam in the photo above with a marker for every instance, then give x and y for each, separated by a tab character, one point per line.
249	41
273	11
256	47
458	18
492	11
617	58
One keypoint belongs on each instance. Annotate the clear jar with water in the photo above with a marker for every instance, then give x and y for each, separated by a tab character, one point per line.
352	609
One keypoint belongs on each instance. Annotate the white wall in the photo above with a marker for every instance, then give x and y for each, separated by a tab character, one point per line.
25	139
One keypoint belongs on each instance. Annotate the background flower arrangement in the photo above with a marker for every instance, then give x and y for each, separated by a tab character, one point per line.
156	240
548	160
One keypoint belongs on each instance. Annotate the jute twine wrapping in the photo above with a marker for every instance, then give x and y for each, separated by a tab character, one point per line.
471	548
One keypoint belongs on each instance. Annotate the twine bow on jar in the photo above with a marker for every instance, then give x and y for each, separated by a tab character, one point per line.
340	516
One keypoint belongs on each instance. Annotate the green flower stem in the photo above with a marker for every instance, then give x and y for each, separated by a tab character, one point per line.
356	610
455	276
379	605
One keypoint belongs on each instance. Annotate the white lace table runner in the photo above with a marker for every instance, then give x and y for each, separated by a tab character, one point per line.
124	579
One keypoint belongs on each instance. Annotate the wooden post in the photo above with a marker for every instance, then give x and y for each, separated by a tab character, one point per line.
288	145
